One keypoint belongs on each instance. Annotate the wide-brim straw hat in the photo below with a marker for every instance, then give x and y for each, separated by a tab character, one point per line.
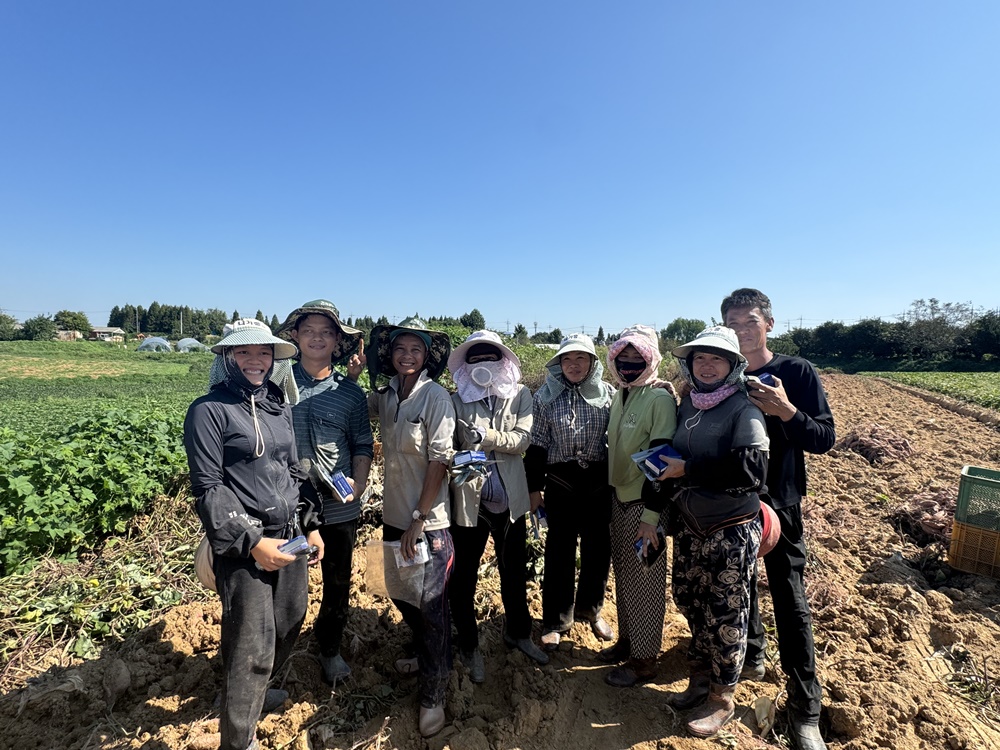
350	338
457	358
575	342
380	348
716	339
252	332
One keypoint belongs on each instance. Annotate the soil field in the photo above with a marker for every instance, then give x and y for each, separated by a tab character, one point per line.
907	647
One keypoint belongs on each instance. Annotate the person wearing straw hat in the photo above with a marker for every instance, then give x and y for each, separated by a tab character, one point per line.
494	415
417	422
799	421
333	432
568	462
723	445
251	497
643	415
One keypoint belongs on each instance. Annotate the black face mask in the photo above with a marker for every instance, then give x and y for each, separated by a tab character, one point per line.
237	382
629	371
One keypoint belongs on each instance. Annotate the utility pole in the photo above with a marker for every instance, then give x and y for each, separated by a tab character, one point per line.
182	323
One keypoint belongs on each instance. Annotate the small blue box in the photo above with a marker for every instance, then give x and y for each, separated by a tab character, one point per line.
341	487
296	546
464	458
650	463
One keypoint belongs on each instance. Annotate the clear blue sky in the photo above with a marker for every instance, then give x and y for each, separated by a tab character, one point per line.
570	164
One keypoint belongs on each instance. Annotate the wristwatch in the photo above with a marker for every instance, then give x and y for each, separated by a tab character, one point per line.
418	516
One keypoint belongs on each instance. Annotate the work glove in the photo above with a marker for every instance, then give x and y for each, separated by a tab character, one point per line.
470	434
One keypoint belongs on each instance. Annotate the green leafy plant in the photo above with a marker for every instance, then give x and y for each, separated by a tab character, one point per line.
67	491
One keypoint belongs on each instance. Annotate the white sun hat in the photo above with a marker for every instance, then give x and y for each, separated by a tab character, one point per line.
575	342
252	332
457	357
713	338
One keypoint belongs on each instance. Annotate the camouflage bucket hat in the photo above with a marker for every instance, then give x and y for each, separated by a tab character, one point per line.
380	348
350	338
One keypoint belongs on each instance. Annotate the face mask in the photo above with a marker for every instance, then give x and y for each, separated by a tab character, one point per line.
629	371
483	373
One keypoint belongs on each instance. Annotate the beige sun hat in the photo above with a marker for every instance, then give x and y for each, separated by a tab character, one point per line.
457	357
252	332
575	342
713	338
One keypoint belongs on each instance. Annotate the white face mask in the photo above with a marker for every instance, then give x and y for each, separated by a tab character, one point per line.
483	373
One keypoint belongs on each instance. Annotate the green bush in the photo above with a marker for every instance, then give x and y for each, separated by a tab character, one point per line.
65	492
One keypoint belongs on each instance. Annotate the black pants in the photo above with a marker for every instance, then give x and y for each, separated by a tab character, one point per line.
261	616
336	564
785	566
509	541
577	504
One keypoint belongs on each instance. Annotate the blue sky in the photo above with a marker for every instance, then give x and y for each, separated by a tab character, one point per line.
566	164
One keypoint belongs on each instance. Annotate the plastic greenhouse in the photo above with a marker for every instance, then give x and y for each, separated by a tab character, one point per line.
191	345
155	344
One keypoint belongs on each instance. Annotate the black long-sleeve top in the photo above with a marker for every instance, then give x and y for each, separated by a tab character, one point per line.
241	497
811	430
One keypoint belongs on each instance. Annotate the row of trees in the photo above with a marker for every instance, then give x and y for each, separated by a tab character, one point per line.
43	327
928	331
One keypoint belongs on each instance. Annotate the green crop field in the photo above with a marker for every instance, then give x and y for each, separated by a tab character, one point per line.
46	386
981	388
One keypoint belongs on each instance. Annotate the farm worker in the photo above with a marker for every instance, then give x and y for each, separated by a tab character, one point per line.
723	445
567	469
494	415
239	442
333	431
642	416
417	423
799	421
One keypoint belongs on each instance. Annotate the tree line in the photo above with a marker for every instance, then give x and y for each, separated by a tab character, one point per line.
929	331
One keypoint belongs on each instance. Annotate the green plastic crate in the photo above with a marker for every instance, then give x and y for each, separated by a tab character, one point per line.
979	498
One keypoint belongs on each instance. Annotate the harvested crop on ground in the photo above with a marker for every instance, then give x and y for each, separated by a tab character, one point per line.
875	443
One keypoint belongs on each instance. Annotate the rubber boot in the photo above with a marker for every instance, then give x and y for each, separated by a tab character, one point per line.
632	672
696	691
708	718
615	654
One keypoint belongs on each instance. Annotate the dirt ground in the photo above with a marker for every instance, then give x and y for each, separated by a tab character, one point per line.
900	638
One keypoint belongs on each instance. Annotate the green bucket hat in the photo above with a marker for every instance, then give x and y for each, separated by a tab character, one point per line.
380	348
350	338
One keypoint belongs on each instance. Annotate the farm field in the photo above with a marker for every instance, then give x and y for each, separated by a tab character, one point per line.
46	386
905	644
982	388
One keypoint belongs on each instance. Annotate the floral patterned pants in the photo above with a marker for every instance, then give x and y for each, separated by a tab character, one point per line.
711	588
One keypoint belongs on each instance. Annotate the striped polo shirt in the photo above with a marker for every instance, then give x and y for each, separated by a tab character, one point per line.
331	427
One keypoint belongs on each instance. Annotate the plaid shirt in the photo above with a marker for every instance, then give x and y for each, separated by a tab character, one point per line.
570	429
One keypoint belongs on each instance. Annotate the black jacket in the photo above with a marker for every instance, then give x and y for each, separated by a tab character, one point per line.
811	430
239	497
